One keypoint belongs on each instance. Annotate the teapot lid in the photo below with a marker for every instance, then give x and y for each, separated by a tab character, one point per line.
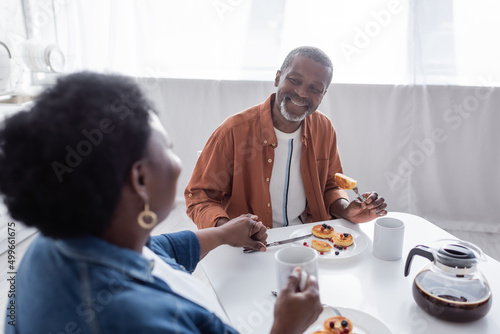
457	253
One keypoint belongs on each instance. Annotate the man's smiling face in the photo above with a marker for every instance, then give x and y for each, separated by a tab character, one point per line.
301	87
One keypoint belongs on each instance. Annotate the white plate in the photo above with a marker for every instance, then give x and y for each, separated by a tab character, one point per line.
360	242
362	322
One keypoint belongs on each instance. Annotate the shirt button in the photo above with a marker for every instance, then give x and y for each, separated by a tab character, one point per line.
268	205
265	141
267	180
274	144
270	160
190	195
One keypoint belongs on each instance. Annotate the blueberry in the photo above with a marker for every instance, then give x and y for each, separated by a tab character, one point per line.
344	323
346	235
337	253
324	225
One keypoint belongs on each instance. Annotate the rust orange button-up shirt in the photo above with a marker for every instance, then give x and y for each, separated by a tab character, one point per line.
234	170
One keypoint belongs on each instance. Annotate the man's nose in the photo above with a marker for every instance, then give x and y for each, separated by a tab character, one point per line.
301	91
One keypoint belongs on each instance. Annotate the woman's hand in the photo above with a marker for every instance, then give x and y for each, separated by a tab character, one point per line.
245	231
296	310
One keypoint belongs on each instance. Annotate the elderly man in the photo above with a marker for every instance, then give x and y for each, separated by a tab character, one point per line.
277	160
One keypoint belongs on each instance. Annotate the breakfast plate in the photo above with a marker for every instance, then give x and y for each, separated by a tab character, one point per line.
363	323
359	246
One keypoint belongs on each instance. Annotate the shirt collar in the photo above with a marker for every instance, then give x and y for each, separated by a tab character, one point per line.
96	250
268	135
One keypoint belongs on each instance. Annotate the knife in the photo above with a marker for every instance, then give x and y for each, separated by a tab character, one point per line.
282	242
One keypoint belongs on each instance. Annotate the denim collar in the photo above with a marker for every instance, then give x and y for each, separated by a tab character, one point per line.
95	250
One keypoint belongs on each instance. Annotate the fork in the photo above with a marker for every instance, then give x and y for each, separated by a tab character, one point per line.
335	310
355	189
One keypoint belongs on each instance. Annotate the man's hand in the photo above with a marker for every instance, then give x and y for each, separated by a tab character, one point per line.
245	231
359	212
296	310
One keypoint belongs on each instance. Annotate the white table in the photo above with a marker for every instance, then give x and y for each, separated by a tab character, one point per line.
243	283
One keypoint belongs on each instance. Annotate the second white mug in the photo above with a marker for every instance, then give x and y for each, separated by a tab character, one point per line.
290	257
388	238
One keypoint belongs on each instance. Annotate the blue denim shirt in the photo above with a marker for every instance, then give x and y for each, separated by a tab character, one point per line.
87	285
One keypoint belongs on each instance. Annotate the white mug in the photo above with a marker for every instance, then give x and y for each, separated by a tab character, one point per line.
388	238
290	257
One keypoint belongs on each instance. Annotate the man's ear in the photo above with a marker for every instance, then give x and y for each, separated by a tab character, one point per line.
277	79
138	175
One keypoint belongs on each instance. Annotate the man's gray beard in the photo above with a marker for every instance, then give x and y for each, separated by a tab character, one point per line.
289	117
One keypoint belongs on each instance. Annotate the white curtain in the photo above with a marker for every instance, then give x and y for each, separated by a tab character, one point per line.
156	38
370	41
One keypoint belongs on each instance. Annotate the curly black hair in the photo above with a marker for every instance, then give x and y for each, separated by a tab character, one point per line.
64	162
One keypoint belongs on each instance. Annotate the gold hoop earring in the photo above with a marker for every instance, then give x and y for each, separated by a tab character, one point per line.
150	215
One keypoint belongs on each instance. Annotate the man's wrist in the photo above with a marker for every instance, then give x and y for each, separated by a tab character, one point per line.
339	207
221	221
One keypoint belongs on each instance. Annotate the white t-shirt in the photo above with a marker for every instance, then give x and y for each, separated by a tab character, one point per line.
288	197
185	285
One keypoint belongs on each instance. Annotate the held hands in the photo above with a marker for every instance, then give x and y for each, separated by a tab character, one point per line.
296	310
245	231
359	212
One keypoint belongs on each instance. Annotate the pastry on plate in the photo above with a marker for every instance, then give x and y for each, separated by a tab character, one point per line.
343	239
338	324
323	231
344	181
321	246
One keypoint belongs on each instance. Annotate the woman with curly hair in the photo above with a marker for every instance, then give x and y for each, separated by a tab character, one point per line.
91	166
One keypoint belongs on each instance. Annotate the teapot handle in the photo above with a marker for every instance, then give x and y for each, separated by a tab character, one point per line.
418	250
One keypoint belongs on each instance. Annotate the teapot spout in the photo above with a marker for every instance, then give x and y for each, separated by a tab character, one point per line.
420	250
